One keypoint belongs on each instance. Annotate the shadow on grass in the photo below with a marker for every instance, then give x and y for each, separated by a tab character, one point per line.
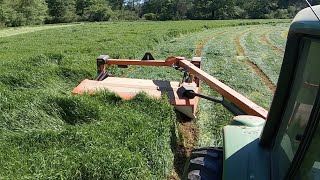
74	110
178	146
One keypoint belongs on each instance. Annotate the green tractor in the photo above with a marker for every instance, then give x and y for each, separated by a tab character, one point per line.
287	144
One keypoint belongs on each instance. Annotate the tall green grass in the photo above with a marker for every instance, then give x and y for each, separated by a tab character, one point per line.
94	137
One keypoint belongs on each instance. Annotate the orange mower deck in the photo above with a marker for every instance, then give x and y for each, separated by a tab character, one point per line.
128	88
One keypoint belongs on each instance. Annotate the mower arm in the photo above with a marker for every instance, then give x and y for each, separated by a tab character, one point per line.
233	96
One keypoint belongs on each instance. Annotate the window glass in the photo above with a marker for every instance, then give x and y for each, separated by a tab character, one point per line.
298	110
310	167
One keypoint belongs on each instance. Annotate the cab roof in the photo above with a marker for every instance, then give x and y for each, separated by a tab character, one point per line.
306	22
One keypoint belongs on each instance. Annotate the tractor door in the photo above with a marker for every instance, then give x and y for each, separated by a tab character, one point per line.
296	154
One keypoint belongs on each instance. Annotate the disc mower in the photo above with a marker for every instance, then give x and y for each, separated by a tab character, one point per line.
184	96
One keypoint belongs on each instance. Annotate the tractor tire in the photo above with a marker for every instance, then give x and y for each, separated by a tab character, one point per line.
204	164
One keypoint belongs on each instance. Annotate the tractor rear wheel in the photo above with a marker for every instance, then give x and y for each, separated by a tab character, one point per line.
204	164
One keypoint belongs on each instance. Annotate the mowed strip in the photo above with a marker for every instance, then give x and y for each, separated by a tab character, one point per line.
200	45
262	53
225	59
23	30
264	38
253	66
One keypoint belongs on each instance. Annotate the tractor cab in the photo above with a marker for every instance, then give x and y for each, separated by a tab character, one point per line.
287	144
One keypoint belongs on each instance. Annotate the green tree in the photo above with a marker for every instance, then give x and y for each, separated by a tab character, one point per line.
61	11
166	9
82	5
22	12
98	11
182	8
212	9
201	9
261	8
35	11
222	9
116	4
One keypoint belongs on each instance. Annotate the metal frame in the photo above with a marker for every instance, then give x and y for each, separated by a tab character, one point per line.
192	67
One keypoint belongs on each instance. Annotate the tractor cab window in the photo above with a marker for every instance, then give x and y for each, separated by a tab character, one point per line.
310	167
297	113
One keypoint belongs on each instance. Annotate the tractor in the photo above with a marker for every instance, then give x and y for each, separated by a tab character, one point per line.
282	143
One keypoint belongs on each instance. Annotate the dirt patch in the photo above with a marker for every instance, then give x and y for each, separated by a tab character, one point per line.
284	34
188	136
200	46
265	40
188	131
262	75
203	42
254	67
237	42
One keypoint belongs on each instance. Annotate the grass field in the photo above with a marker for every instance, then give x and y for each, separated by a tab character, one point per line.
46	132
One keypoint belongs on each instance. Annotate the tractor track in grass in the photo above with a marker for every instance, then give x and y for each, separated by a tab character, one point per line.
284	34
203	42
188	136
263	38
188	131
240	52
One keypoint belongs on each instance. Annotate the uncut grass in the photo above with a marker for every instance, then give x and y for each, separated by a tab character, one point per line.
79	45
101	137
47	132
12	31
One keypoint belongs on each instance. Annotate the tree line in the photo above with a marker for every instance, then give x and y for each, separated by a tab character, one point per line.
31	12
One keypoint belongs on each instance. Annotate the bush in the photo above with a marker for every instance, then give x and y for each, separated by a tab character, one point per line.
150	16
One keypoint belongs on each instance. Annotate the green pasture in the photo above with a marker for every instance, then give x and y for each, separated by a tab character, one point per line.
48	133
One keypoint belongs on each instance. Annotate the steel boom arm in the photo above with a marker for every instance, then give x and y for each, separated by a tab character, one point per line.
233	96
